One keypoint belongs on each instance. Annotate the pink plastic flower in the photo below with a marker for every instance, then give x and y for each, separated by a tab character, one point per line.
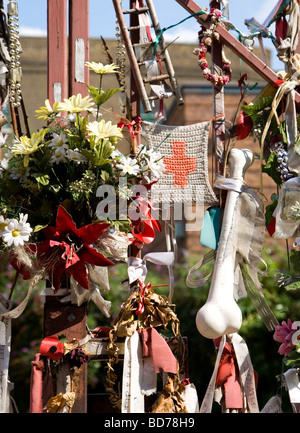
283	334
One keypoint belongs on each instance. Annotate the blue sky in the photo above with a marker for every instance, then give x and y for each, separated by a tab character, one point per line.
33	18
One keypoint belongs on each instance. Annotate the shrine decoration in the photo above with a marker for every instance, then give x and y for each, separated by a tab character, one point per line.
57	222
142	320
185	152
205	41
57	172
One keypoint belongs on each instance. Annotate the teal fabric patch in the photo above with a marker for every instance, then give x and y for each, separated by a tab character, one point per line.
210	231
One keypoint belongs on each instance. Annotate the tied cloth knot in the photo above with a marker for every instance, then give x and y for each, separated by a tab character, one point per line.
130	125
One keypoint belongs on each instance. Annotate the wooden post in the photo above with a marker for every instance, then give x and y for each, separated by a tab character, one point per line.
67	75
57	57
218	102
78	46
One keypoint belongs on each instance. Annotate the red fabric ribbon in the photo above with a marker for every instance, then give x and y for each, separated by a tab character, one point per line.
281	29
228	377
143	228
52	348
155	346
130	125
271	227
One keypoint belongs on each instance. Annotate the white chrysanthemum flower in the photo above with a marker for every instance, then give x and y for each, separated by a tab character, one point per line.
21	174
101	69
3	223
76	104
59	141
74	155
128	165
17	232
153	161
102	130
59	155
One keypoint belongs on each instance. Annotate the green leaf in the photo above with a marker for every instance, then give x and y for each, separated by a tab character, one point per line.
253	109
271	168
295	285
269	212
108	94
102	96
39	227
43	179
104	175
122	225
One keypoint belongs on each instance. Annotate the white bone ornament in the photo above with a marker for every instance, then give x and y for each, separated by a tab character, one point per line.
220	315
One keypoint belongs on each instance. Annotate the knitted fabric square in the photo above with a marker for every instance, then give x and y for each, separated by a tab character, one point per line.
185	154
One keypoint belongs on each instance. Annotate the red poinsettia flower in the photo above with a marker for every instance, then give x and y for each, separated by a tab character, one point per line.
67	250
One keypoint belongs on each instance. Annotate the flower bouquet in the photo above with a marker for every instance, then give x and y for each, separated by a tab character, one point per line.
66	191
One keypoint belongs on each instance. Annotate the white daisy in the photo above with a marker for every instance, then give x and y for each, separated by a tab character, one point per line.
128	165
16	232
153	162
21	174
74	155
59	155
59	141
3	223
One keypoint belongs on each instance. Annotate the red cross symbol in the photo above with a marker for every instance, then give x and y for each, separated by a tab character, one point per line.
179	164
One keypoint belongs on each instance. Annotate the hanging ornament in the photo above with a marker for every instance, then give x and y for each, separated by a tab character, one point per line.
15	94
205	42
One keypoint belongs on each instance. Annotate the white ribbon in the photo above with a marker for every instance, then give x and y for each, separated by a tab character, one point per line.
292	382
246	372
208	399
137	267
6	314
230	184
272	406
190	398
132	396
